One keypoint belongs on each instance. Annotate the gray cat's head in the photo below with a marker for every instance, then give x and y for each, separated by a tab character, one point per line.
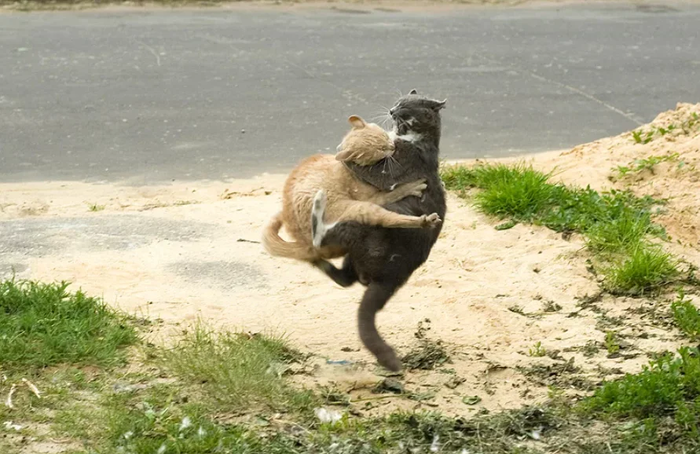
416	114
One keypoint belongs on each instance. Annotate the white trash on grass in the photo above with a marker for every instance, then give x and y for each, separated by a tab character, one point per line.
328	416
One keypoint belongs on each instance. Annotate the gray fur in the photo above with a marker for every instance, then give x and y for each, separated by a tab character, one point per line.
381	258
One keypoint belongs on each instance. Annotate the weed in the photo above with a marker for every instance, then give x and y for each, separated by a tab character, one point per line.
551	306
93	207
646	164
537	350
645	270
611	343
44	324
686	316
689	125
642	137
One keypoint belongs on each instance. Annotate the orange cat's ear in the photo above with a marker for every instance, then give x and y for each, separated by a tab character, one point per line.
357	122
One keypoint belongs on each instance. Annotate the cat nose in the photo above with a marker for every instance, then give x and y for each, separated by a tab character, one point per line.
391	111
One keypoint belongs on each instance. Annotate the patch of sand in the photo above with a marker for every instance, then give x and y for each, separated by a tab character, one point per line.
182	251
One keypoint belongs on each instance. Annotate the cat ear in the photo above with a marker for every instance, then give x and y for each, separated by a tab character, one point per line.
343	155
357	122
413	92
438	105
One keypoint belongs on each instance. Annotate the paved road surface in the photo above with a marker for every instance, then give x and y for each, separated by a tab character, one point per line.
157	95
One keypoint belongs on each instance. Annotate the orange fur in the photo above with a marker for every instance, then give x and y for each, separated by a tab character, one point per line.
348	199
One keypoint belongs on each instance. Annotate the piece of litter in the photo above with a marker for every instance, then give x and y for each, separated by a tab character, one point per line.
8	402
31	386
434	446
186	422
128	435
325	415
161	450
537	433
340	362
10	425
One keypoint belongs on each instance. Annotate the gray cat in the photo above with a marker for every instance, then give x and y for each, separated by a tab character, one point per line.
380	258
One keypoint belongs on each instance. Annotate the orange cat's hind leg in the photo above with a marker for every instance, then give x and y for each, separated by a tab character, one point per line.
318	227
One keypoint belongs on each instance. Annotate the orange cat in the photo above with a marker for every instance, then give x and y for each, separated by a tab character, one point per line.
345	197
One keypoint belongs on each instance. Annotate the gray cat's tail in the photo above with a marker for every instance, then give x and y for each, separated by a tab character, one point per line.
278	247
374	299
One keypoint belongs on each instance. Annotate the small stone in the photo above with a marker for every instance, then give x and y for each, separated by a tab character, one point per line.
471	400
454	382
389	385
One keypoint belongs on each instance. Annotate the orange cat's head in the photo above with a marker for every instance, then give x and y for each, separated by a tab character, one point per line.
365	144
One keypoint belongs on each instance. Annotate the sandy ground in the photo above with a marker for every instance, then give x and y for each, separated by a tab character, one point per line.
189	250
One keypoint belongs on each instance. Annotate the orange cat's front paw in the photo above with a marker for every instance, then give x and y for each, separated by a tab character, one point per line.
431	220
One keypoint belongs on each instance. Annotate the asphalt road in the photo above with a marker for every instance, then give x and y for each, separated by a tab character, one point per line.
148	96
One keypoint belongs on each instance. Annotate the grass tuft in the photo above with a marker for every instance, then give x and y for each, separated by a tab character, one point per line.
646	269
620	233
686	316
235	368
44	324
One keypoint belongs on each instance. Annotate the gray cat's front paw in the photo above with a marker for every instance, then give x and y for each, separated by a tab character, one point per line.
431	220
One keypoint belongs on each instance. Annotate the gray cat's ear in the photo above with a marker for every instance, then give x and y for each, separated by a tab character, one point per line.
357	122
438	105
413	92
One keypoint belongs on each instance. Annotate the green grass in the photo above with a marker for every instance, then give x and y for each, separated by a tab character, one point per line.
159	419
45	324
616	225
519	193
668	386
656	410
221	391
646	269
236	369
525	195
686	316
621	232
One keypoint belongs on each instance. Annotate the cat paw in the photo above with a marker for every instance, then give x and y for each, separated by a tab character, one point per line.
418	189
414	188
431	220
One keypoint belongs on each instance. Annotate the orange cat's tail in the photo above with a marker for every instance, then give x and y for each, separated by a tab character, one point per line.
278	247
